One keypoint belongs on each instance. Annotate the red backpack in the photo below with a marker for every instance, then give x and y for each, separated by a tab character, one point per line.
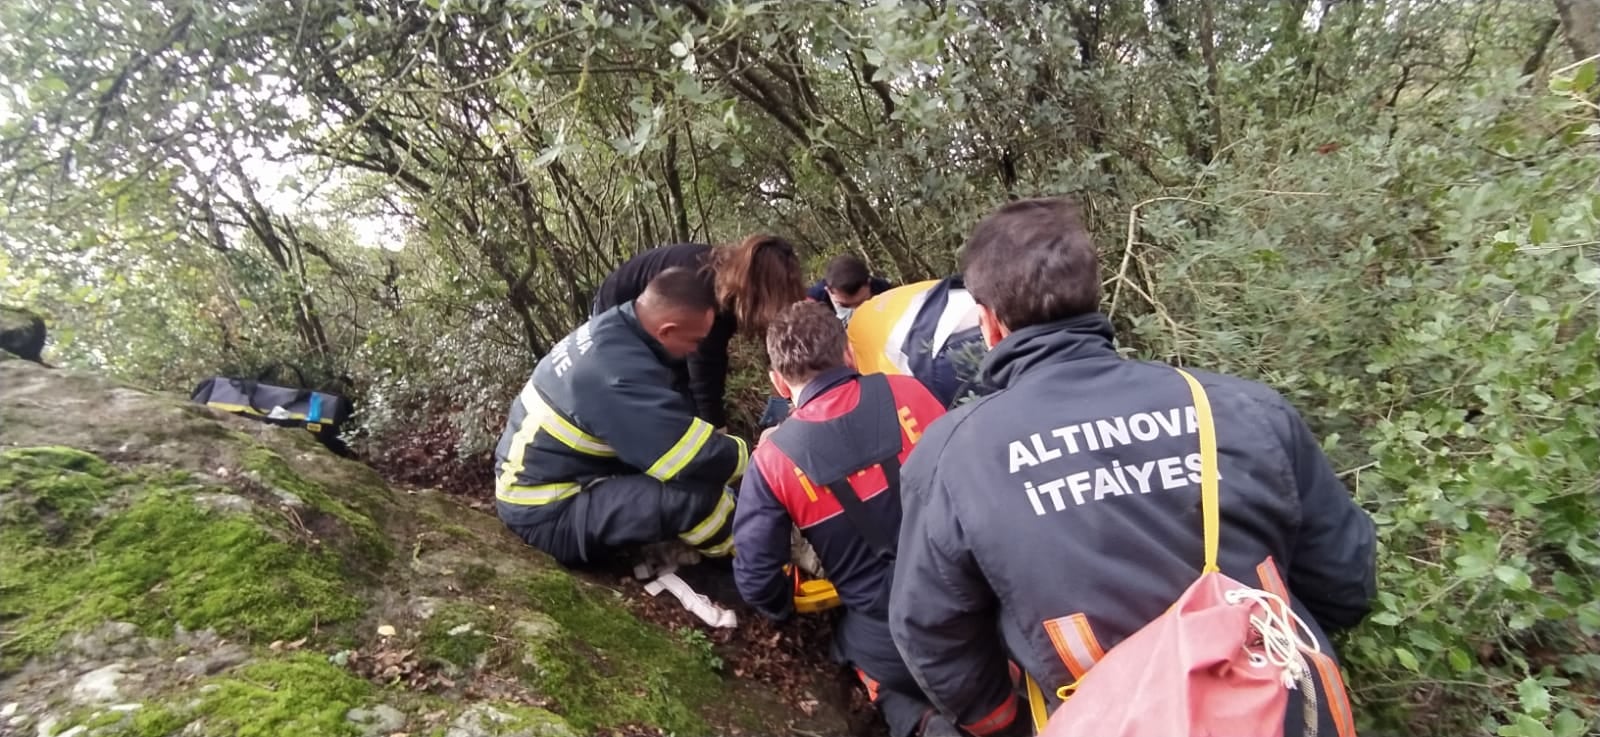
1220	661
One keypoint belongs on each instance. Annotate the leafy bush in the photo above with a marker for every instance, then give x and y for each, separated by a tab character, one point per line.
1375	208
1430	305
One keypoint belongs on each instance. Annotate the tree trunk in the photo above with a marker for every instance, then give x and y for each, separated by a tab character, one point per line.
680	208
1580	20
1540	48
1210	102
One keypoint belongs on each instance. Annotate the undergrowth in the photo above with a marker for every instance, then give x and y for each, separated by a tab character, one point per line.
1430	304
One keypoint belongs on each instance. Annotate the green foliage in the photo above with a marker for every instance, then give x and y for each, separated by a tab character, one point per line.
698	643
1385	211
1484	489
83	544
1444	346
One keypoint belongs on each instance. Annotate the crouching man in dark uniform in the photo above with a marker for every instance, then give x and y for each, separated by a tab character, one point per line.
601	453
832	468
1055	517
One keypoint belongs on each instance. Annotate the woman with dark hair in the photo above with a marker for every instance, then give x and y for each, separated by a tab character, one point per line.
753	281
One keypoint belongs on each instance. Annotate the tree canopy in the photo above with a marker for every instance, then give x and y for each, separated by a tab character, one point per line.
1386	209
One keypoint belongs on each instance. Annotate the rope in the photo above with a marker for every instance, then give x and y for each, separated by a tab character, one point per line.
1308	711
1280	628
1282	646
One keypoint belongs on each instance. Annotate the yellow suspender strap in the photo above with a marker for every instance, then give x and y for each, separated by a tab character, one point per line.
1036	705
1210	515
1209	512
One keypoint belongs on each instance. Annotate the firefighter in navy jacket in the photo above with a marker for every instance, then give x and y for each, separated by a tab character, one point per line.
600	452
1055	517
753	281
832	468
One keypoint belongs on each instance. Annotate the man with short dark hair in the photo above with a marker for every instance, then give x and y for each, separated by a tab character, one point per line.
600	453
832	468
846	284
1058	515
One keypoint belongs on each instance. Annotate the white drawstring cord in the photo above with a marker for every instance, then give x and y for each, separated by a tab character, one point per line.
1280	638
1280	630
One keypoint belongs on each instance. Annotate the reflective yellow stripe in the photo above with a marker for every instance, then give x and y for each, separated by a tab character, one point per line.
560	428
226	407
744	458
539	416
713	522
536	495
573	438
519	445
671	462
720	549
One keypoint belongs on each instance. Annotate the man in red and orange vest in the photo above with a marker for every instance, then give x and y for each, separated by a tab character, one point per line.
833	469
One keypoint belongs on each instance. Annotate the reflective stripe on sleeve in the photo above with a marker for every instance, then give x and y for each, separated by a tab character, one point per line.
1074	642
722	549
562	429
712	524
999	719
533	496
672	462
519	447
744	459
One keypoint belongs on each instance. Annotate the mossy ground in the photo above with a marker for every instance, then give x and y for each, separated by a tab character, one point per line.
86	543
99	522
356	507
616	669
81	544
459	634
300	694
571	642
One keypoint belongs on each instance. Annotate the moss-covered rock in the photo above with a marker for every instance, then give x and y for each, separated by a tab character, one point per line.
460	635
82	544
616	669
166	569
299	695
357	507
